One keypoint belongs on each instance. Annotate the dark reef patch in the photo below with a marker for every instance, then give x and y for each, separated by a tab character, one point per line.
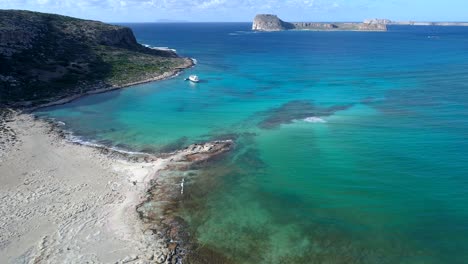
294	110
160	211
250	158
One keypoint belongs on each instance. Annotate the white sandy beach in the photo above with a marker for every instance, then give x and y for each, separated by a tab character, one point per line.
67	203
62	202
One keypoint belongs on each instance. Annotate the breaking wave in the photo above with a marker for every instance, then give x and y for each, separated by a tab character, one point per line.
314	119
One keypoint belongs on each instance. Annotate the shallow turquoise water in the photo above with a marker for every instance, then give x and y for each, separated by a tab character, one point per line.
380	178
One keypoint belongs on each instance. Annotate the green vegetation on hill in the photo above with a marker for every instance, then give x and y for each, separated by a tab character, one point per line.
44	57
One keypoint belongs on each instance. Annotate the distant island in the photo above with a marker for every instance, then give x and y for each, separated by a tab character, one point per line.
47	58
414	23
269	22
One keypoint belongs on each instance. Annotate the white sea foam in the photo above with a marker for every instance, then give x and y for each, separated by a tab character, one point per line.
164	49
159	48
78	140
195	61
314	119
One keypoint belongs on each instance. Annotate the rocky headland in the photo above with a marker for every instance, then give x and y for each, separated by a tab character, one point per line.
268	22
46	58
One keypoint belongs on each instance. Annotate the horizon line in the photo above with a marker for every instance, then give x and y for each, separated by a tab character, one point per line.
291	21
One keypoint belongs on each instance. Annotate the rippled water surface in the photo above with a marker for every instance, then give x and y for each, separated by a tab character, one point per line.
351	147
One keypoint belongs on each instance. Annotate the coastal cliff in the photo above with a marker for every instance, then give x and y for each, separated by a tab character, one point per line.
45	57
268	22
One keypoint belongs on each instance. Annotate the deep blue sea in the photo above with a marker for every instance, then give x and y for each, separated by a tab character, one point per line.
351	147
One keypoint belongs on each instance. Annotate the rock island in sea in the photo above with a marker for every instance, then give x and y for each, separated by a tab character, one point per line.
269	22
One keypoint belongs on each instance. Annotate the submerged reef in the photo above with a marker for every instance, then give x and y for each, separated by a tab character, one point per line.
296	110
159	210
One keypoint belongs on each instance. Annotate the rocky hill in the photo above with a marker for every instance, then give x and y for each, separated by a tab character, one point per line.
268	22
44	57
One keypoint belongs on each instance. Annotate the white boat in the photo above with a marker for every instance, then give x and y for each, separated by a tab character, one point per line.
193	78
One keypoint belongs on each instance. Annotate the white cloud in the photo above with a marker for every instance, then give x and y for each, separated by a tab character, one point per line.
211	3
195	10
171	4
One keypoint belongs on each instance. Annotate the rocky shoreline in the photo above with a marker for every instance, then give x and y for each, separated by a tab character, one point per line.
188	63
8	137
93	196
158	211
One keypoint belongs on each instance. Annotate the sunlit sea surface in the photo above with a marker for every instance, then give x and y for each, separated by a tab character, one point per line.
351	147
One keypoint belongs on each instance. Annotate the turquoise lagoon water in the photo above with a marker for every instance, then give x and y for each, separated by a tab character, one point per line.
351	147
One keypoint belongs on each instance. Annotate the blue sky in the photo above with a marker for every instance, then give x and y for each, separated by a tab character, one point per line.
245	10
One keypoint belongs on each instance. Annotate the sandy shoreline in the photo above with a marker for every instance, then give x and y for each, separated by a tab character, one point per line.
67	203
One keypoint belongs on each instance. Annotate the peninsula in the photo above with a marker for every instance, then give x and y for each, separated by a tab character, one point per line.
46	58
